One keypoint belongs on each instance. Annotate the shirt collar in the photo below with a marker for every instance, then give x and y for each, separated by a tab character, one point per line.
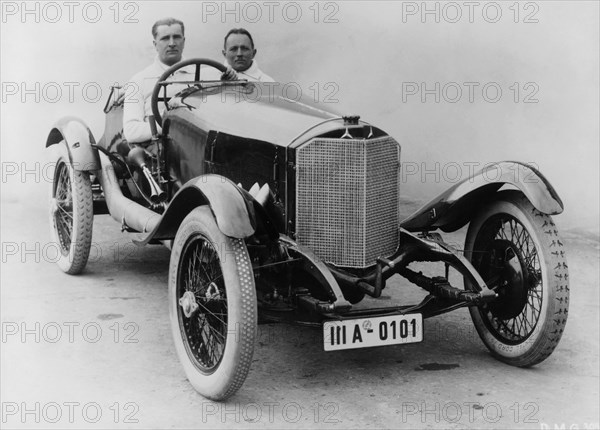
252	71
164	67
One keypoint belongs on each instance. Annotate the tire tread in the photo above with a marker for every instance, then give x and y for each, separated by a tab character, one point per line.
557	289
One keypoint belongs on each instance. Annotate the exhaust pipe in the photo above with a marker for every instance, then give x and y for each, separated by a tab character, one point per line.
137	157
127	212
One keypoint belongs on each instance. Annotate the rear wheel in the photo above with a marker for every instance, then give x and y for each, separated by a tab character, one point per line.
519	254
71	214
212	305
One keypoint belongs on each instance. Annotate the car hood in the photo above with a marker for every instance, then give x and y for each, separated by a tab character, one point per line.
257	111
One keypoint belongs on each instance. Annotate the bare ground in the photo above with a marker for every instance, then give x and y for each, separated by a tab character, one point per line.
95	351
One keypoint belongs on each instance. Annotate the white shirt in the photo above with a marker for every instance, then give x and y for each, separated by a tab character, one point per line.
137	107
253	73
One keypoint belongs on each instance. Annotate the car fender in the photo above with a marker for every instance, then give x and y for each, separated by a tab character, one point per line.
233	211
78	140
456	206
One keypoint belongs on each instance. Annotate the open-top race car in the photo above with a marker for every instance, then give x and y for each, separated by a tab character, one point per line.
279	209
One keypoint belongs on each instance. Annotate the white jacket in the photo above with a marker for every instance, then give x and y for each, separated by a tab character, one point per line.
138	92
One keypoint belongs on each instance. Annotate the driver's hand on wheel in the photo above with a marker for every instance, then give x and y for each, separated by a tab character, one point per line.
229	75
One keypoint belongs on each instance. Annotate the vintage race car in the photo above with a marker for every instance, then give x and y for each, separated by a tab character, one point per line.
280	210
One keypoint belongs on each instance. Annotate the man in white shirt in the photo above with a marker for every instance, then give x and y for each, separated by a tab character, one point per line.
239	53
169	41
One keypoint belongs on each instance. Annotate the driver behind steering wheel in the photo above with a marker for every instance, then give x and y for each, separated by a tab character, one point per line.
169	41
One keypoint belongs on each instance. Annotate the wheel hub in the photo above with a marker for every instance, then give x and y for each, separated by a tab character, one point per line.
506	266
188	304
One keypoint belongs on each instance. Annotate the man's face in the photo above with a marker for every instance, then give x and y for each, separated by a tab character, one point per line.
169	43
239	52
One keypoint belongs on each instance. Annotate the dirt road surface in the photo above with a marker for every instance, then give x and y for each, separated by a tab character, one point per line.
95	351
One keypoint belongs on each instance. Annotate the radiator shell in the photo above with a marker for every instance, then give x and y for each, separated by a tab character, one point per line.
347	199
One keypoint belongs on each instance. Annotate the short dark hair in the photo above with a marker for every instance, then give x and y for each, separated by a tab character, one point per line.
238	31
166	21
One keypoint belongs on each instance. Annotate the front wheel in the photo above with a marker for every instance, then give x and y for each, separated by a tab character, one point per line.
71	214
212	305
519	254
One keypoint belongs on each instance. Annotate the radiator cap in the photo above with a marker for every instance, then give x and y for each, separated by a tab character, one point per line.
351	119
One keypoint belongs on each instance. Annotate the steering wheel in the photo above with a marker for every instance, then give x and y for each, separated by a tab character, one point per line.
163	83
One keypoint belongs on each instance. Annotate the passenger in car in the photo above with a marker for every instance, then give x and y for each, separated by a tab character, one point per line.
239	53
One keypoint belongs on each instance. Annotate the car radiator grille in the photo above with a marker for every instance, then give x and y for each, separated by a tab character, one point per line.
347	199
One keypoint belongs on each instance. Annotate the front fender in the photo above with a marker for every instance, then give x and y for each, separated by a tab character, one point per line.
234	214
456	206
78	140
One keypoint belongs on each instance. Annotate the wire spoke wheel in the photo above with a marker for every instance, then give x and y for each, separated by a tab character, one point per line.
71	214
519	254
206	327
212	305
511	256
63	215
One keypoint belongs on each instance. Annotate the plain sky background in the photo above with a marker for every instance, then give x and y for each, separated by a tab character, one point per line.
363	57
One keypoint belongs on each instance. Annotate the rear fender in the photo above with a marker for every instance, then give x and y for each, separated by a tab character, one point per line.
78	139
456	206
233	209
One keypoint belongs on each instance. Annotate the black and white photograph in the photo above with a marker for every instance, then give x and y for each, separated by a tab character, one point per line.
300	214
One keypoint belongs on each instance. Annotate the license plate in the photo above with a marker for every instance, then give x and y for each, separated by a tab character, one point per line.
377	331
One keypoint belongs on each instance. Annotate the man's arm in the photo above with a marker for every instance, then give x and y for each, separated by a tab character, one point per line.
135	127
229	75
209	73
